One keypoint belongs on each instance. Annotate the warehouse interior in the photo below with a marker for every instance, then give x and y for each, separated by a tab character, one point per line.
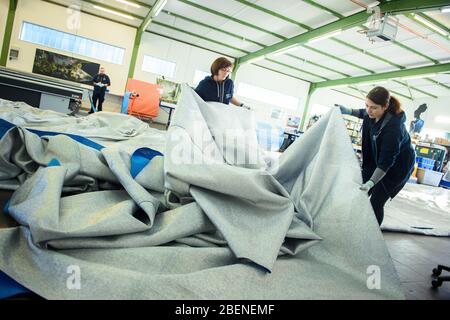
83	187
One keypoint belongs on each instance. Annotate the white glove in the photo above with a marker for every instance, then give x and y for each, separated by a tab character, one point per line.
367	186
246	107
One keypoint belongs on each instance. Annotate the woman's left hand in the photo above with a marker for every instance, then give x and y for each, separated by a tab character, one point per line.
367	186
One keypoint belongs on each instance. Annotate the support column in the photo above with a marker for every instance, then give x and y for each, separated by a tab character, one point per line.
136	45
8	32
311	90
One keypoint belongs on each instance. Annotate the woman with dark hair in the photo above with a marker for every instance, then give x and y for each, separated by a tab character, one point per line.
218	86
387	154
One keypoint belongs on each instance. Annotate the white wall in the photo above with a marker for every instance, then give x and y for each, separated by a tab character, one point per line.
274	81
4	7
91	27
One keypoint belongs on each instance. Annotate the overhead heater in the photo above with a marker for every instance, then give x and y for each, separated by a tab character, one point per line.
381	27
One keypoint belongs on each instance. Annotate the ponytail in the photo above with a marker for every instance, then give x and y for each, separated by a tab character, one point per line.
394	106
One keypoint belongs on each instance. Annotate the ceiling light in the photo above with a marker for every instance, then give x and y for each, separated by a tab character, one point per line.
158	7
445	10
255	59
364	84
420	76
285	50
114	12
325	36
430	25
128	3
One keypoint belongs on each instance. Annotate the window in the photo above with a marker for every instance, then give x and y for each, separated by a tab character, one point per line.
199	76
267	96
159	66
71	43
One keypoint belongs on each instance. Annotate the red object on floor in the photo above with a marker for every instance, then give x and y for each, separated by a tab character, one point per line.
146	105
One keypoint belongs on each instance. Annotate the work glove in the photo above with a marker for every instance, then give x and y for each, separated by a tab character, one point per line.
245	106
344	110
367	186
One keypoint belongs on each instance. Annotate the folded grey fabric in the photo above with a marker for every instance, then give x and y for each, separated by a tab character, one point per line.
211	219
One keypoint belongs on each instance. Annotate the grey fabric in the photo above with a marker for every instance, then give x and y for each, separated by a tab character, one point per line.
419	209
234	222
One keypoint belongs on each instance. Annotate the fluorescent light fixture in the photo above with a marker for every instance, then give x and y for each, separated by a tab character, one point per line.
325	36
340	86
114	12
159	6
128	3
256	59
285	50
363	84
420	76
445	10
442	119
429	24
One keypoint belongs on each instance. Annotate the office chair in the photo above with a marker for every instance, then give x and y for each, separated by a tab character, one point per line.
437	281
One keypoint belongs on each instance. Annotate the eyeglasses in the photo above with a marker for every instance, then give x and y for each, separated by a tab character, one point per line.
226	69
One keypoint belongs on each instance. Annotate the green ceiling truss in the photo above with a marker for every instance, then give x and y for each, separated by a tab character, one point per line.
412	5
385	76
259	44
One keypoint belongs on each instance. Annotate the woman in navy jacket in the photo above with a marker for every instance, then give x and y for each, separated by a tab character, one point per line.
218	86
387	154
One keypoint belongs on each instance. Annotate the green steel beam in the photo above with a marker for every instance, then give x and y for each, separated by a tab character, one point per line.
315	4
398	6
311	90
386	75
349	94
8	32
438	83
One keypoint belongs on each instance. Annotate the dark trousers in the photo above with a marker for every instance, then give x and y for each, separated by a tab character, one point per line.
100	99
378	198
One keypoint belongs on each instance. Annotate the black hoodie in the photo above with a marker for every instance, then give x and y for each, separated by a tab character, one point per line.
389	149
210	90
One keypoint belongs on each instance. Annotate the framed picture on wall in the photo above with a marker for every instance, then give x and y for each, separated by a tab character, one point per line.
170	91
64	67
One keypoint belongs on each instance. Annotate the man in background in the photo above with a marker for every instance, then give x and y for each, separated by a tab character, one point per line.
101	82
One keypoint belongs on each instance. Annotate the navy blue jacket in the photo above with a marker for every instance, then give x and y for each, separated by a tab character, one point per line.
103	78
389	149
210	90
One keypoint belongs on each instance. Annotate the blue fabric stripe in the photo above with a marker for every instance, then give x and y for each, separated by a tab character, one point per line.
5	126
9	287
140	158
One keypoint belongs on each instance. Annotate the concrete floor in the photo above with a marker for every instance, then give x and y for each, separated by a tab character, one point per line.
414	257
